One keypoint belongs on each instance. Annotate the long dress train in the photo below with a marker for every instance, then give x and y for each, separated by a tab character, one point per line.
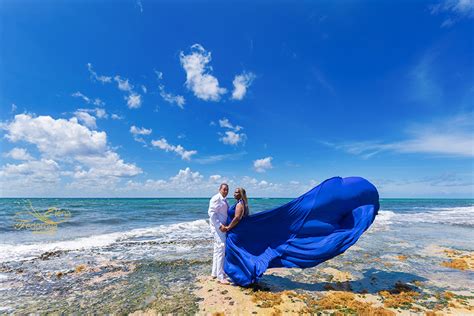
315	227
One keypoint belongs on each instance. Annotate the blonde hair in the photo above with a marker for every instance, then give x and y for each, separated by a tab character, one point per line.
243	196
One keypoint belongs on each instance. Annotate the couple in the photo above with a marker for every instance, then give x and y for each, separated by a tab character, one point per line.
223	218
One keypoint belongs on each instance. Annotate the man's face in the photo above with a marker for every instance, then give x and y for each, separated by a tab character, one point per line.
224	190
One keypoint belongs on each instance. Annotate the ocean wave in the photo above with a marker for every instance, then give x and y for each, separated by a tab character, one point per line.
173	234
456	216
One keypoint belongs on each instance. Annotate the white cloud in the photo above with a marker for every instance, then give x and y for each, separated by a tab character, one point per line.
78	94
261	165
186	176
95	101
179	100
98	102
13	109
225	123
103	79
139	131
19	154
134	101
453	10
105	165
86	118
198	78
98	112
70	143
232	138
29	178
215	178
163	144
55	137
449	137
116	117
241	84
123	84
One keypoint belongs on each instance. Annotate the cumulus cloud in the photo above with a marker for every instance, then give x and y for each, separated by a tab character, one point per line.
136	131
123	84
19	154
215	177
55	137
179	150
198	74
140	131
134	101
29	178
232	138
87	119
262	165
185	180
63	143
241	84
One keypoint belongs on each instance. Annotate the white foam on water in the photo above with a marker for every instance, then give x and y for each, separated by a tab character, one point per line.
193	230
460	216
382	221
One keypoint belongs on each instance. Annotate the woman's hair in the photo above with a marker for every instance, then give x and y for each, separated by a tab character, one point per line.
243	196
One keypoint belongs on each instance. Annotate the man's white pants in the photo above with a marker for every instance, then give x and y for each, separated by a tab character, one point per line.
219	254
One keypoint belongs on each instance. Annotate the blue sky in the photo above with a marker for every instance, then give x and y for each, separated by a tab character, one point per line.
170	98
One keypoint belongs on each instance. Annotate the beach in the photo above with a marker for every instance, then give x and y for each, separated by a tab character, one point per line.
153	256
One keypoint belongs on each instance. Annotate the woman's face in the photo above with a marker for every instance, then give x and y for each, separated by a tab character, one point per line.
237	194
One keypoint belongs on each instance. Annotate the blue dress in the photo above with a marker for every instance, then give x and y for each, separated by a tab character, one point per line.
313	228
231	212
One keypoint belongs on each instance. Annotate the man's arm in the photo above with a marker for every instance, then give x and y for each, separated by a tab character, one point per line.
213	203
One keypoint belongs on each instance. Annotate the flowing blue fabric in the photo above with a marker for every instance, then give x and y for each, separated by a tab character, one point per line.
313	228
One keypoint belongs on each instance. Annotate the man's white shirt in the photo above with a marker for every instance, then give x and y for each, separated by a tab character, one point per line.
217	211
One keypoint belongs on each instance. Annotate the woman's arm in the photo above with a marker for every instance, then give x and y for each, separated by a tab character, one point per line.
239	213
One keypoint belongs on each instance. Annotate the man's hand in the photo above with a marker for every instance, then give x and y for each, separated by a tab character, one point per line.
223	228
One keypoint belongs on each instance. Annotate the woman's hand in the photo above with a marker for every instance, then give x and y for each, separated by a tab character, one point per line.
223	228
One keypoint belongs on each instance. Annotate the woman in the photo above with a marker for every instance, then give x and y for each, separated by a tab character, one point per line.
238	210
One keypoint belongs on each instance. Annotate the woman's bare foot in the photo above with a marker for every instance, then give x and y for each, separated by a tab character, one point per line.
223	281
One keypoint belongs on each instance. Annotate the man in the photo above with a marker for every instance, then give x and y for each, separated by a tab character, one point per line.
218	207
